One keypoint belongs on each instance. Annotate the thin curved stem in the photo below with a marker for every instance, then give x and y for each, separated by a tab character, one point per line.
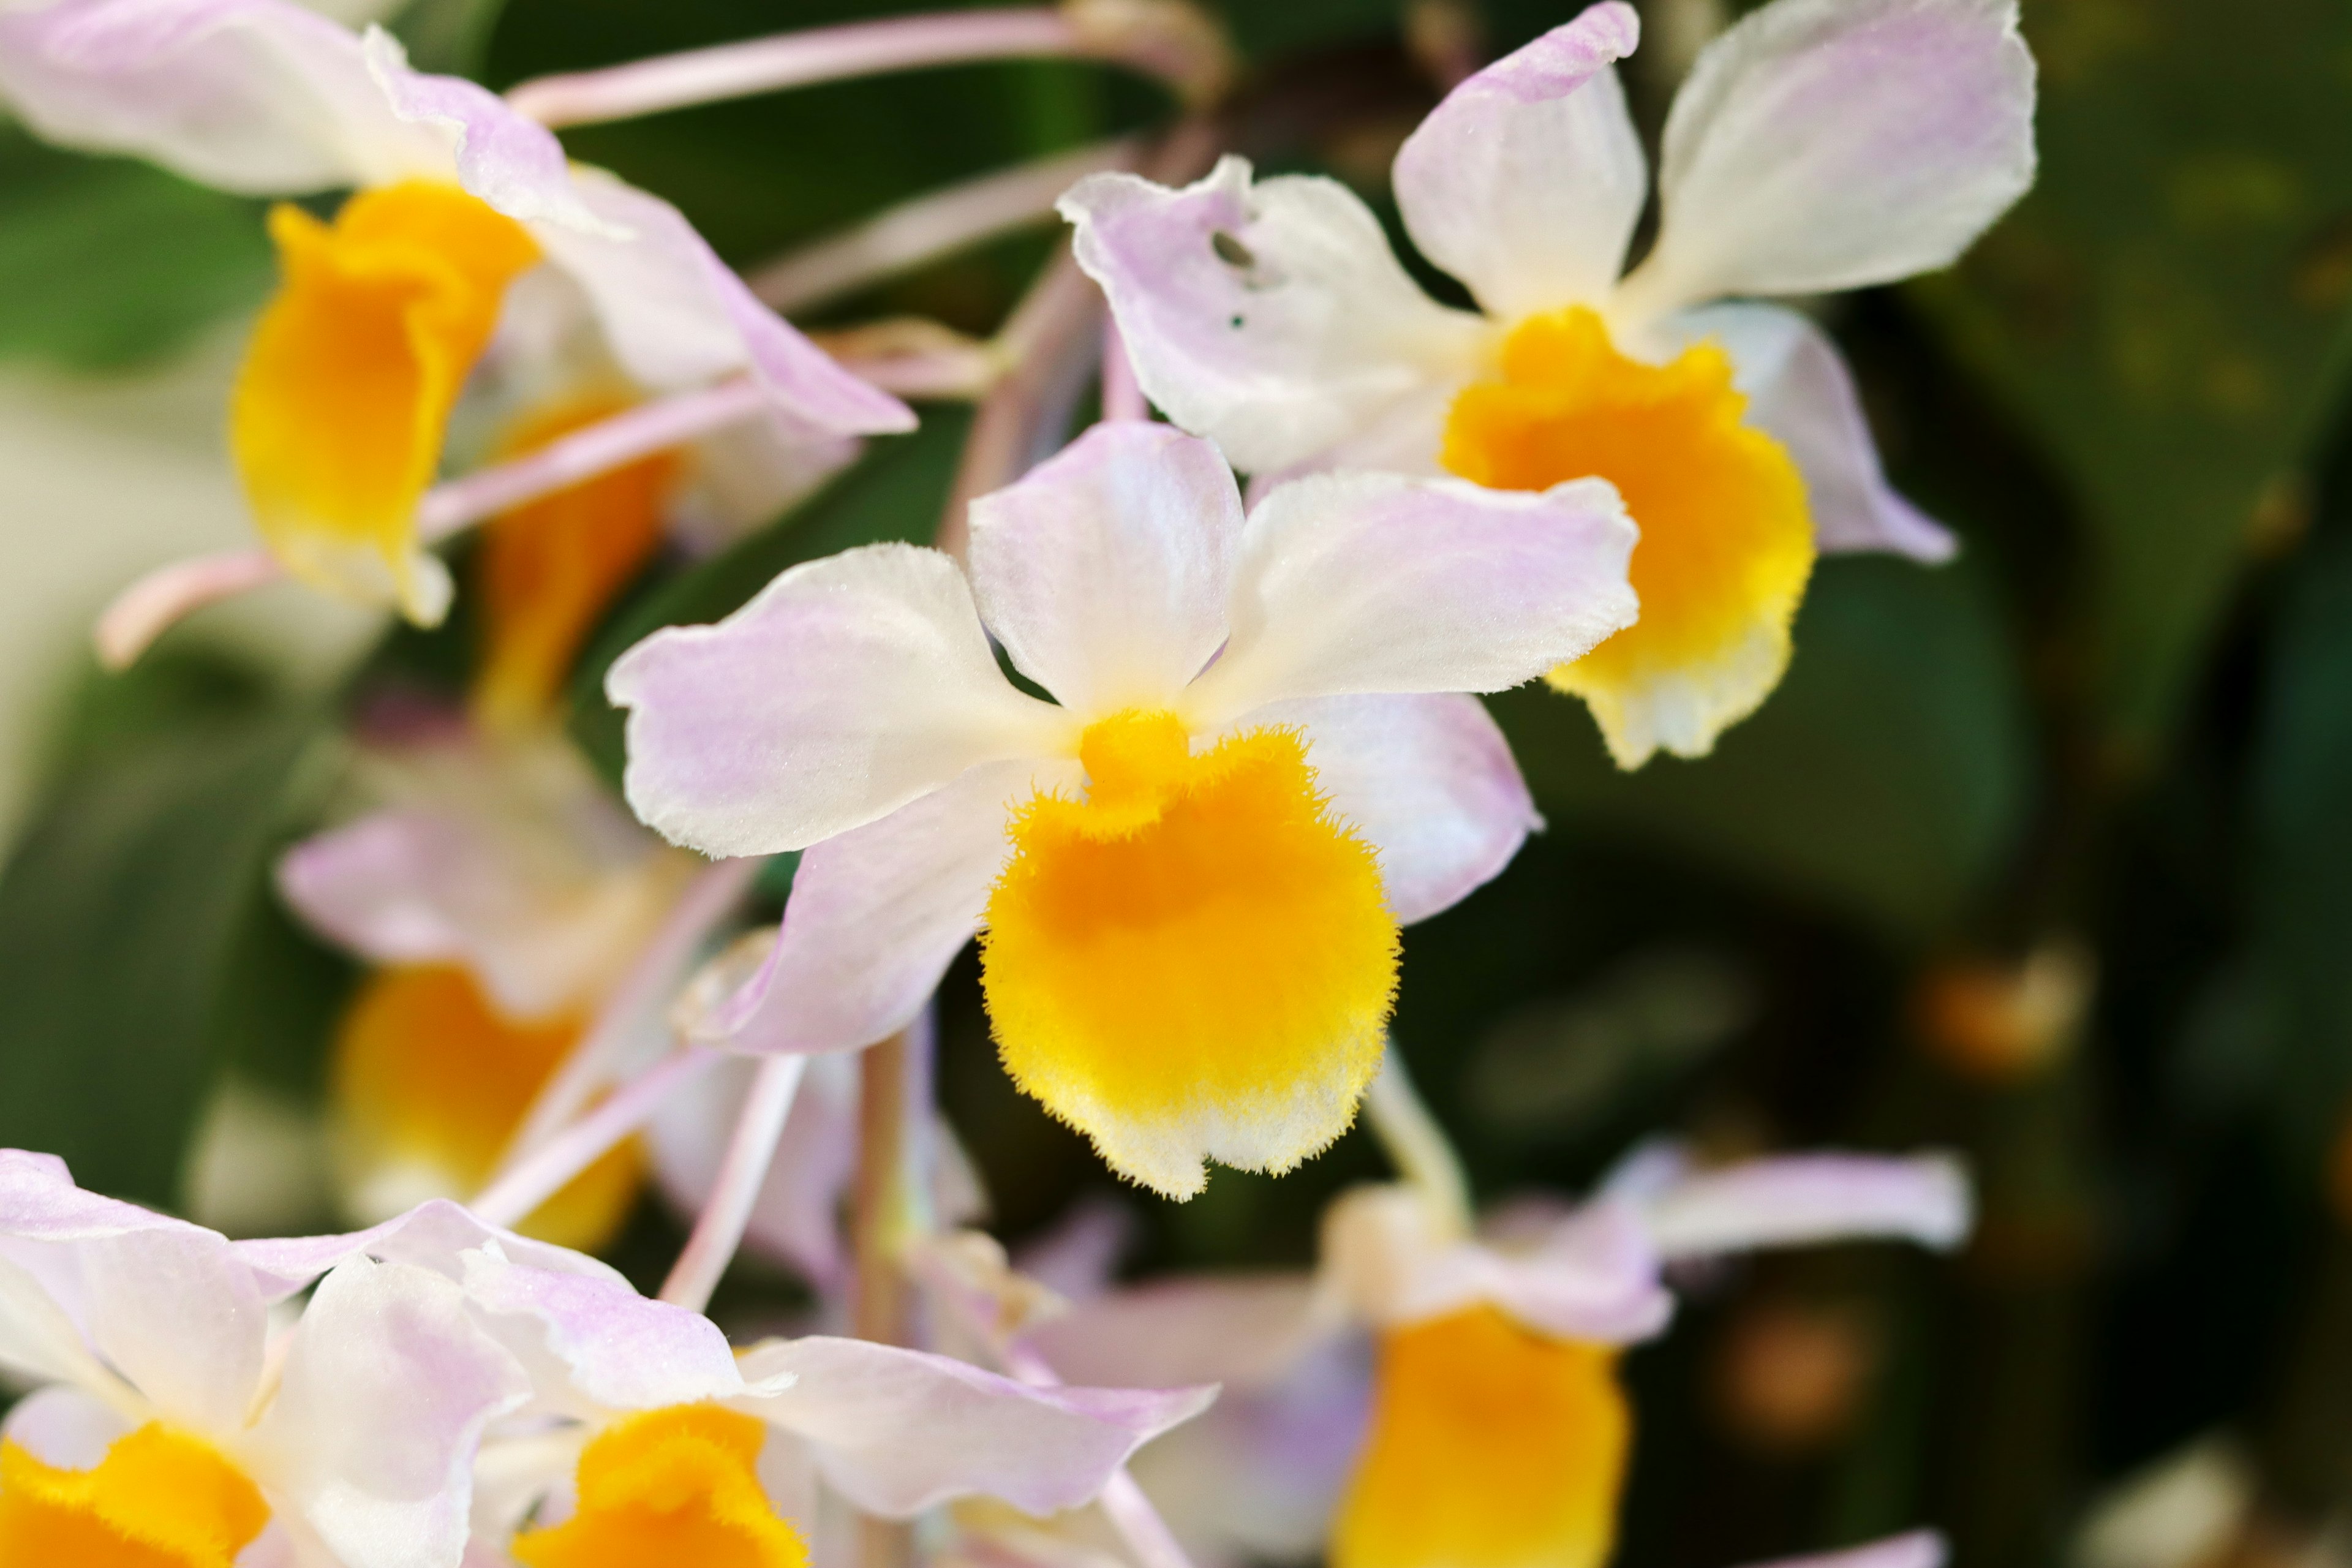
1415	1142
719	1229
550	1168
156	602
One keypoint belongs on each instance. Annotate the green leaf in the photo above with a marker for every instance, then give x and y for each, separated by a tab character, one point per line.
1886	777
120	911
895	493
2163	306
105	263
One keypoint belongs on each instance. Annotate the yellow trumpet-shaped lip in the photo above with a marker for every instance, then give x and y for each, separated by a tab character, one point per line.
339	412
1196	961
677	1486
1727	538
160	1498
1491	1445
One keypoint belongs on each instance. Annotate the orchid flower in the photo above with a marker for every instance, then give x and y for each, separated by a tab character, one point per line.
646	1438
170	1429
1487	1427
1191	866
340	410
1816	145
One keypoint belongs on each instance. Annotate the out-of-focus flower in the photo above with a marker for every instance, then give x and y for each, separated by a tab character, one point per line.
1190	871
646	1438
339	416
1818	144
172	1429
503	892
1486	1427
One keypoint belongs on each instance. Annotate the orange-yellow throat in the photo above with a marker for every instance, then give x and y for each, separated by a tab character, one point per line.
339	409
1196	960
160	1498
1726	540
675	1487
1491	1446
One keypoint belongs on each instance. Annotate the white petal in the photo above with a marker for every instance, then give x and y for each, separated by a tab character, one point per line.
385	1393
1799	393
877	915
798	1214
1806	1198
256	96
435	1236
1243	1330
1526	182
64	1427
1428	781
1824	144
1376	582
591	1342
849	687
1273	319
1105	570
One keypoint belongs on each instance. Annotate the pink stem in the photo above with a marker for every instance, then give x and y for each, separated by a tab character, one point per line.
597	449
719	1229
1131	1513
551	1167
793	60
156	602
1122	395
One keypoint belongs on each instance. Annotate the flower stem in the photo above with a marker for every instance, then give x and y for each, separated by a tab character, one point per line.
1415	1142
889	1207
153	605
719	1229
550	1168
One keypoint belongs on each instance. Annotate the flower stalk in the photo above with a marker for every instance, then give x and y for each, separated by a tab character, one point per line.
719	1229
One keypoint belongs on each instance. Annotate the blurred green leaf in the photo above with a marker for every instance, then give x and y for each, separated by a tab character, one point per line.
452	37
1886	775
120	911
105	263
2163	306
894	492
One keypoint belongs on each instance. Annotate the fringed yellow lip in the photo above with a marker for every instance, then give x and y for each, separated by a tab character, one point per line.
160	1498
675	1486
1726	540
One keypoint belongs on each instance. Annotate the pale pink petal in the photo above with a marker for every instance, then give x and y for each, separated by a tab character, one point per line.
1920	1549
1377	583
798	1214
592	1343
382	1404
1526	182
1104	572
897	1431
846	688
1802	1198
64	1427
1824	144
877	915
1428	781
1799	392
435	1236
1273	319
262	97
1241	1330
514	165
675	316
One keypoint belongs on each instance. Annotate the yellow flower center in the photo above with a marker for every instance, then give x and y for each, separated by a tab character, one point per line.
1727	542
1491	1446
429	1082
1195	959
338	415
548	569
670	1487
159	1500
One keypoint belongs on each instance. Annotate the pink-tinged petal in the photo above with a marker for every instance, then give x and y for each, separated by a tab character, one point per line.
1920	1549
1272	317
1242	1330
1376	582
1105	570
65	1427
897	1431
515	164
385	1393
1824	144
435	1236
877	915
798	1214
262	97
846	688
1804	1198
165	1304
592	1343
1800	392
1526	182
675	315
1428	781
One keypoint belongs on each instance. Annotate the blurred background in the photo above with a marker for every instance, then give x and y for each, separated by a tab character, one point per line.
2045	856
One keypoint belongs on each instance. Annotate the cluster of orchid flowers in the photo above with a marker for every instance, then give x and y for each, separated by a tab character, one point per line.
1183	766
